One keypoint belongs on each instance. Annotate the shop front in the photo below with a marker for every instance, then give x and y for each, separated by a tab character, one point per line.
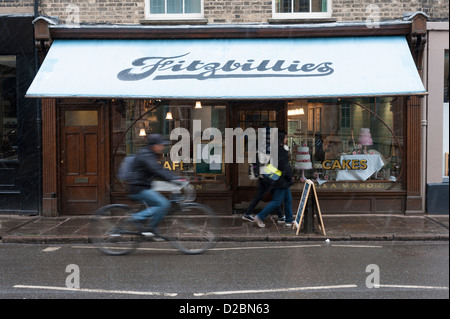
349	99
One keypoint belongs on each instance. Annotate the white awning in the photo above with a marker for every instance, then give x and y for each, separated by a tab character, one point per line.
228	69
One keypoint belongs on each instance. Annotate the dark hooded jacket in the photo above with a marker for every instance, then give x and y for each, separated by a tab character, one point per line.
145	169
285	181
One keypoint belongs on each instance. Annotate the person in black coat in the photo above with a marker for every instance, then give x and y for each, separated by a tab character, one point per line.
281	188
144	170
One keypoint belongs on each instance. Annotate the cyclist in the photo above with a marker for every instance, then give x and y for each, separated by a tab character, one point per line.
144	170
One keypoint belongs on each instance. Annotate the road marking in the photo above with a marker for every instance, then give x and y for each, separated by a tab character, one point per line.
411	287
356	246
241	248
266	247
223	293
102	291
51	249
212	249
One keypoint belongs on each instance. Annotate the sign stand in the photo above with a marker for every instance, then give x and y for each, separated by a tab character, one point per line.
302	206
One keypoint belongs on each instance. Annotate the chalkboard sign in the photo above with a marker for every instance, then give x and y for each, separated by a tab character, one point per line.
301	208
302	205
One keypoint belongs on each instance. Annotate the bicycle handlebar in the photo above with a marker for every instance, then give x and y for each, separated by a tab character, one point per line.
176	188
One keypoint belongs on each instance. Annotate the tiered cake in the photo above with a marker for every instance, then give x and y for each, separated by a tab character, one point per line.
303	158
365	138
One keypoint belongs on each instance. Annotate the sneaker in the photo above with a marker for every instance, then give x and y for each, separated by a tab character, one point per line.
248	218
259	222
288	225
281	220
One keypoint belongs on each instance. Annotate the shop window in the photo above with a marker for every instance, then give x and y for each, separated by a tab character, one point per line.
133	120
347	143
298	9
8	108
446	77
174	9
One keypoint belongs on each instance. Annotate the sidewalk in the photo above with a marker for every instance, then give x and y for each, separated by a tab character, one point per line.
75	229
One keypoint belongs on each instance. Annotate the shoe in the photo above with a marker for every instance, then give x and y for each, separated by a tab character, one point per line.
281	220
141	226
259	222
248	218
288	225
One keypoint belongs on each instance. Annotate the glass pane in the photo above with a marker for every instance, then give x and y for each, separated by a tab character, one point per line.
157	6
8	108
301	6
446	77
283	6
319	5
338	131
174	6
81	118
192	6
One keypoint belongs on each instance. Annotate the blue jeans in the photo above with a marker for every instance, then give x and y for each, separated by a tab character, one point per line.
158	206
280	196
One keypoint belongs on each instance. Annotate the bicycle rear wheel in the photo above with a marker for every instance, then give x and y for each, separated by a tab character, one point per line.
112	232
192	230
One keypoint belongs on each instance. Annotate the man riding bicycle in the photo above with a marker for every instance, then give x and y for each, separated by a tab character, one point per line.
144	170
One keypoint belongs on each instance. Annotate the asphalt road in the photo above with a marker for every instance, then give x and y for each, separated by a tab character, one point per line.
252	270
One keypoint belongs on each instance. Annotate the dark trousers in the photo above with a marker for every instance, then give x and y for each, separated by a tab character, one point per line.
263	187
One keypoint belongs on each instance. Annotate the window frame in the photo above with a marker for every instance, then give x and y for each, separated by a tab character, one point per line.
303	15
173	16
14	156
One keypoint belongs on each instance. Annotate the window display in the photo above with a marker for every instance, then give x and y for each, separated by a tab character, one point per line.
133	120
346	140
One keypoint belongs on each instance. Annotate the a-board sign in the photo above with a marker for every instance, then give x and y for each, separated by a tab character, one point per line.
301	207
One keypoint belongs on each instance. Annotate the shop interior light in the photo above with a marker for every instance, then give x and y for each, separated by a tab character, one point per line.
169	116
142	132
294	112
198	105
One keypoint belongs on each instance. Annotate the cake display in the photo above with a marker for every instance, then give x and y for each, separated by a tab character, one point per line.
303	158
365	138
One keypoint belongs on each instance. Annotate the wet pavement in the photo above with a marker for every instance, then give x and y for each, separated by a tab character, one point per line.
356	227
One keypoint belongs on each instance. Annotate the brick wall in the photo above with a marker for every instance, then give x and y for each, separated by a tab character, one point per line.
223	11
16	6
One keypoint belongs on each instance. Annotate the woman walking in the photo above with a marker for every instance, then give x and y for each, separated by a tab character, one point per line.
281	189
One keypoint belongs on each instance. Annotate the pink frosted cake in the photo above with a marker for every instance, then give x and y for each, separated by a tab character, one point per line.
365	138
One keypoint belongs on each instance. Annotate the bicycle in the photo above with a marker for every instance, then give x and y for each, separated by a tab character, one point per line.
189	227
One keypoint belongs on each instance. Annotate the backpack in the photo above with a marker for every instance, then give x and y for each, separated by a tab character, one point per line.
271	173
126	168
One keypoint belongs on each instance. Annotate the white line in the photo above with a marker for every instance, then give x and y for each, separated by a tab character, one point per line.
51	249
212	249
240	248
357	246
411	287
139	248
221	293
102	291
267	247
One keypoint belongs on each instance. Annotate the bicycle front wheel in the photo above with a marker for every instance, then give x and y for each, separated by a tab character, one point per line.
112	232
191	230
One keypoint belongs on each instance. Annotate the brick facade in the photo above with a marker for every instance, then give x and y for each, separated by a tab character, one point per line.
222	11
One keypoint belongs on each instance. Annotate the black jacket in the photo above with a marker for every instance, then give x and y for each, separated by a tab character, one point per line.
285	180
145	169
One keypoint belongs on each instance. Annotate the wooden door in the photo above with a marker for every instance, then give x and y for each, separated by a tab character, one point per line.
254	115
82	158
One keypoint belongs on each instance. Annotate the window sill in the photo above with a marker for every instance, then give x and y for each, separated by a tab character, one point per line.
199	21
301	20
